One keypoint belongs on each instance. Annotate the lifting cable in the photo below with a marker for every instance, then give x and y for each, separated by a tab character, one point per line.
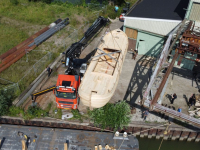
165	132
147	130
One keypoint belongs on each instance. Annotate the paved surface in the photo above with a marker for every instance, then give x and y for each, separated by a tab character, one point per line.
54	139
180	82
133	79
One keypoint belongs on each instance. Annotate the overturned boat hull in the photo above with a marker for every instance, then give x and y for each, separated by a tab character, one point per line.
101	78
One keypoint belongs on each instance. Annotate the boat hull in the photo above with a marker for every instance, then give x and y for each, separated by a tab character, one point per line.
101	78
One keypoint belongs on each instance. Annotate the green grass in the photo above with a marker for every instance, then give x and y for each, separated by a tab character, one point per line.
10	36
18	22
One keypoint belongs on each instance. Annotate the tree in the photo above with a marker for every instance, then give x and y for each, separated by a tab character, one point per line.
5	102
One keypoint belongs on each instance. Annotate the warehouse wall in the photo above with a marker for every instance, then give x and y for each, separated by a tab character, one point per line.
148	44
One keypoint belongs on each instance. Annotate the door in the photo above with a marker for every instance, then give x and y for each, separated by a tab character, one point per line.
141	47
131	33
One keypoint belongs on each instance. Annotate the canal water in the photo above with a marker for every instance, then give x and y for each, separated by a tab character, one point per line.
153	144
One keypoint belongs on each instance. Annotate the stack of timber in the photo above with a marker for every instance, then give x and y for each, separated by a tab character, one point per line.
197	96
17	52
101	78
196	111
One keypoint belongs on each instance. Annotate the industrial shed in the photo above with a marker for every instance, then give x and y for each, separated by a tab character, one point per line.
149	23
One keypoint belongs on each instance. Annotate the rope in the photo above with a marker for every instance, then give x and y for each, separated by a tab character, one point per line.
121	144
160	144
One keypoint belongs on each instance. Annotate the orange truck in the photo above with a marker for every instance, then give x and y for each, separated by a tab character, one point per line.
65	90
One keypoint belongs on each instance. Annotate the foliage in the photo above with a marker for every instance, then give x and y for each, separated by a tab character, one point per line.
77	115
10	36
35	112
59	116
111	115
15	111
5	101
14	2
110	12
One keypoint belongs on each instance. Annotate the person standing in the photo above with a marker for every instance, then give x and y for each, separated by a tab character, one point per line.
49	70
192	100
146	113
116	8
174	96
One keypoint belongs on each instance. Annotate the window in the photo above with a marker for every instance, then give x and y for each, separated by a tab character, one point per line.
71	95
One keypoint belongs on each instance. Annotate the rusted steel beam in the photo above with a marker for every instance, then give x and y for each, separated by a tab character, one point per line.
165	52
161	86
196	60
11	62
9	52
16	53
190	49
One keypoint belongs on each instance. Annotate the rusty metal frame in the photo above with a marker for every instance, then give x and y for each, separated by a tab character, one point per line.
187	43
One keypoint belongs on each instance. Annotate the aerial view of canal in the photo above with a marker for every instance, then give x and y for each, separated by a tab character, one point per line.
154	144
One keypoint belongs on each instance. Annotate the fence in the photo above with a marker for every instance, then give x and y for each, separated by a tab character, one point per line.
41	64
28	76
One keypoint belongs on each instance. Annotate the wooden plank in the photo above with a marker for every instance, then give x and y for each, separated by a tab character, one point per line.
65	146
24	147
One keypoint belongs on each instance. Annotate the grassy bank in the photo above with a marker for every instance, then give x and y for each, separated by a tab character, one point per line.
10	36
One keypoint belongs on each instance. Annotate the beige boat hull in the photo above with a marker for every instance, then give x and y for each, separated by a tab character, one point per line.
101	78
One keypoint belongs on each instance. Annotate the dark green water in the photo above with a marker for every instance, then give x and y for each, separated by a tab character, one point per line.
153	144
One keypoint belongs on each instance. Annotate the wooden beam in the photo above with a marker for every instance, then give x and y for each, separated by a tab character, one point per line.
65	146
24	147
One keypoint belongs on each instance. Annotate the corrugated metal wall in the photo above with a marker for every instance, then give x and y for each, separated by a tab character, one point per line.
195	12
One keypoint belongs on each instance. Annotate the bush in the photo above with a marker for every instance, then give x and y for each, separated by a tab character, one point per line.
14	2
15	111
34	112
111	115
5	102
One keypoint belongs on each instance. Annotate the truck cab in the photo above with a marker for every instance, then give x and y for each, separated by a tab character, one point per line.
66	91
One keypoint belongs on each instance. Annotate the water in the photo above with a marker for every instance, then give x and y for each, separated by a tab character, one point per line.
153	144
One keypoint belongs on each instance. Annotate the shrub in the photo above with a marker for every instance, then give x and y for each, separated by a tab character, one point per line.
5	102
111	115
14	2
15	111
34	112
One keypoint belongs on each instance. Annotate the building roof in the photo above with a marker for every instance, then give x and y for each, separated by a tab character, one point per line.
157	26
160	9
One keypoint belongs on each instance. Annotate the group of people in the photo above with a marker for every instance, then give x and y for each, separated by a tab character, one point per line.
192	101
